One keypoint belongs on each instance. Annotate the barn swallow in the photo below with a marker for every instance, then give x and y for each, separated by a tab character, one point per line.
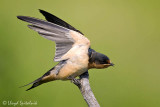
73	51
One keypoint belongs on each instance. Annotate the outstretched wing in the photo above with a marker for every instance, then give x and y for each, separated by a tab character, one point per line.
64	38
54	19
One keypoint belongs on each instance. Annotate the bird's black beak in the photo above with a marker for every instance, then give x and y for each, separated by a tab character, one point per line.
111	64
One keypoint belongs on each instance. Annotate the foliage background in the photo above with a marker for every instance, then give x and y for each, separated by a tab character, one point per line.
125	30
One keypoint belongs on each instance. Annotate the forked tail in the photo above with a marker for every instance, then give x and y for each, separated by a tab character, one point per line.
40	80
48	76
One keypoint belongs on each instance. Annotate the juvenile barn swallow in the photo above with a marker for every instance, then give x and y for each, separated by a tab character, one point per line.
73	51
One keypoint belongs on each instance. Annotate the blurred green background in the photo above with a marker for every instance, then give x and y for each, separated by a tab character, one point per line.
127	31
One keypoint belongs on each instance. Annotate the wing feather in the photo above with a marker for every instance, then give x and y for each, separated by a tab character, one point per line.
53	32
64	38
54	19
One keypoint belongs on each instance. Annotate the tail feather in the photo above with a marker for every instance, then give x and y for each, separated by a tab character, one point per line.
34	85
38	81
47	76
31	82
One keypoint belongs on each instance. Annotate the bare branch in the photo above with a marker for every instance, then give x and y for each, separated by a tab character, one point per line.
84	86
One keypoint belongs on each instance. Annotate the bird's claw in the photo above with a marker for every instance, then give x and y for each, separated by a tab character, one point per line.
76	81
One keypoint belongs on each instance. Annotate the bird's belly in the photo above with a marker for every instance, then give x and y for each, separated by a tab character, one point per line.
74	67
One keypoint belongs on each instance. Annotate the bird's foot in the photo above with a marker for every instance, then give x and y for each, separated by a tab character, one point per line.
75	81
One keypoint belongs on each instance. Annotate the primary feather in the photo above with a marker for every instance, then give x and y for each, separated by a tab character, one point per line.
54	19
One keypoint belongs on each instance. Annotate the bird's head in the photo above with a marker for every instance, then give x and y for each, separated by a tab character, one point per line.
99	61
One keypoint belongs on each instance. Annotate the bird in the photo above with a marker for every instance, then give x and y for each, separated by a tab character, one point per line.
73	51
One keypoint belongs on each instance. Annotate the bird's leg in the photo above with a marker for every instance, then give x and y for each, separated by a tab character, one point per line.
74	80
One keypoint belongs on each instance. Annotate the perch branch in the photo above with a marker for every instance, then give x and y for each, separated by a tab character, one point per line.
84	86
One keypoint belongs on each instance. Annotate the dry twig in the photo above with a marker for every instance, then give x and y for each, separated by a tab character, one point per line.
84	86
